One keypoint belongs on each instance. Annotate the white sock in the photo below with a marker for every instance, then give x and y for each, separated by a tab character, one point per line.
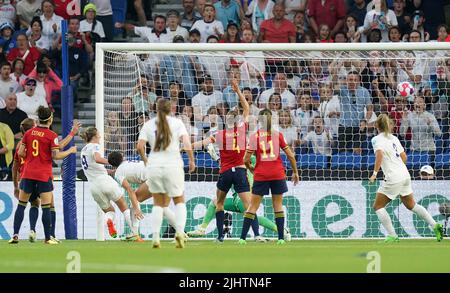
424	214
110	215
180	217
157	218
170	216
385	220
127	216
134	222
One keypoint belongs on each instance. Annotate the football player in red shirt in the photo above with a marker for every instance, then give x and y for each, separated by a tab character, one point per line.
39	147
232	144
269	175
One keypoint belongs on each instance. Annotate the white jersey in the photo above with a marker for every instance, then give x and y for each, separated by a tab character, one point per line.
133	172
91	168
392	165
171	155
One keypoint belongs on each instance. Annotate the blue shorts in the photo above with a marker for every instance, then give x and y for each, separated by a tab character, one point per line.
36	187
236	177
266	187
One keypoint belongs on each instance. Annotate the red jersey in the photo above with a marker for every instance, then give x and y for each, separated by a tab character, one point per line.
32	57
39	143
232	143
269	165
19	161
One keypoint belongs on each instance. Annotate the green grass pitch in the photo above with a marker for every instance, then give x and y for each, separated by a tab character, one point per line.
206	256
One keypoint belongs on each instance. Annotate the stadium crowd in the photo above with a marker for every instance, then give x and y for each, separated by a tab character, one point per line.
324	105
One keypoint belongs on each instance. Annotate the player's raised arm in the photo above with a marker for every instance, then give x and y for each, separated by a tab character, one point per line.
66	140
242	100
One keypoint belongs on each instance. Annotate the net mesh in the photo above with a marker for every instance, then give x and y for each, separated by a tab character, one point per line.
325	104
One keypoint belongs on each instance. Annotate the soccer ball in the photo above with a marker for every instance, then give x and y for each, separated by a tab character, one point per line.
405	89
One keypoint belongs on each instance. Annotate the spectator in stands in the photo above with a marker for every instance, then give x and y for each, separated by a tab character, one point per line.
12	116
229	96
113	137
6	150
277	29
208	25
128	122
205	99
354	98
396	112
340	37
294	6
143	97
176	92
157	34
173	19
200	6
189	15
324	34
434	14
424	127
17	72
7	40
373	78
28	101
303	115
279	86
232	34
194	36
48	83
308	37
7	84
443	33
359	9
139	7
375	36
26	10
50	22
351	29
403	18
91	25
360	139
228	11
293	72
7	12
411	69
104	15
258	11
329	12
395	35
37	40
417	28
254	110
288	130
300	25
380	18
23	51
212	121
187	118
320	138
330	107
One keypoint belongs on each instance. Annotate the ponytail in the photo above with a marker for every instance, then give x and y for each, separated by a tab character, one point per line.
163	133
384	124
265	119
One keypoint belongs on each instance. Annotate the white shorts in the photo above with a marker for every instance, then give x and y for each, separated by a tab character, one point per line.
104	190
392	190
166	179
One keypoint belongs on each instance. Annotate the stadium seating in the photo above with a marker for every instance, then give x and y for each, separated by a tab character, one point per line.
417	159
443	160
346	160
312	161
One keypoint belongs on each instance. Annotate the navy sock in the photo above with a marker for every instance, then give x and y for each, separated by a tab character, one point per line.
255	226
248	219
46	221
33	215
18	216
279	220
53	216
220	216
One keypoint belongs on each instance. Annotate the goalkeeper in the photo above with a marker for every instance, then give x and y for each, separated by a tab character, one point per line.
235	205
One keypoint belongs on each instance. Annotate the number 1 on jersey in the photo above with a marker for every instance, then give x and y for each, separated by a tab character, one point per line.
264	149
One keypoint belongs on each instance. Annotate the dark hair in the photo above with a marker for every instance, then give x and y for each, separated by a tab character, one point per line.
415	31
5	64
89	133
265	116
17	60
26	125
160	16
21	34
247	89
36	19
41	67
44	114
73	17
212	37
49	1
354	72
442	26
163	133
115	159
395	27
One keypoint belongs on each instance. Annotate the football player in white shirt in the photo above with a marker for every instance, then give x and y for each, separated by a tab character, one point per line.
391	157
127	173
165	170
103	187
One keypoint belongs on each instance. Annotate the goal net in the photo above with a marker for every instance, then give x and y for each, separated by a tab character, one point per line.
324	98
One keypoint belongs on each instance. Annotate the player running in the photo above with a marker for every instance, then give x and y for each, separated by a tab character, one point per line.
235	204
268	171
232	143
39	147
128	173
391	158
103	187
165	168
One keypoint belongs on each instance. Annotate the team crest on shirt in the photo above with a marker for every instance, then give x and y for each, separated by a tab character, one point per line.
76	56
56	141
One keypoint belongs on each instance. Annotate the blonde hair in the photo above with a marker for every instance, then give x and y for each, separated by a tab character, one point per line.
163	133
384	124
89	133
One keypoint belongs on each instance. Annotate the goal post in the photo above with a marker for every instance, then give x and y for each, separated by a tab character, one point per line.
332	147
